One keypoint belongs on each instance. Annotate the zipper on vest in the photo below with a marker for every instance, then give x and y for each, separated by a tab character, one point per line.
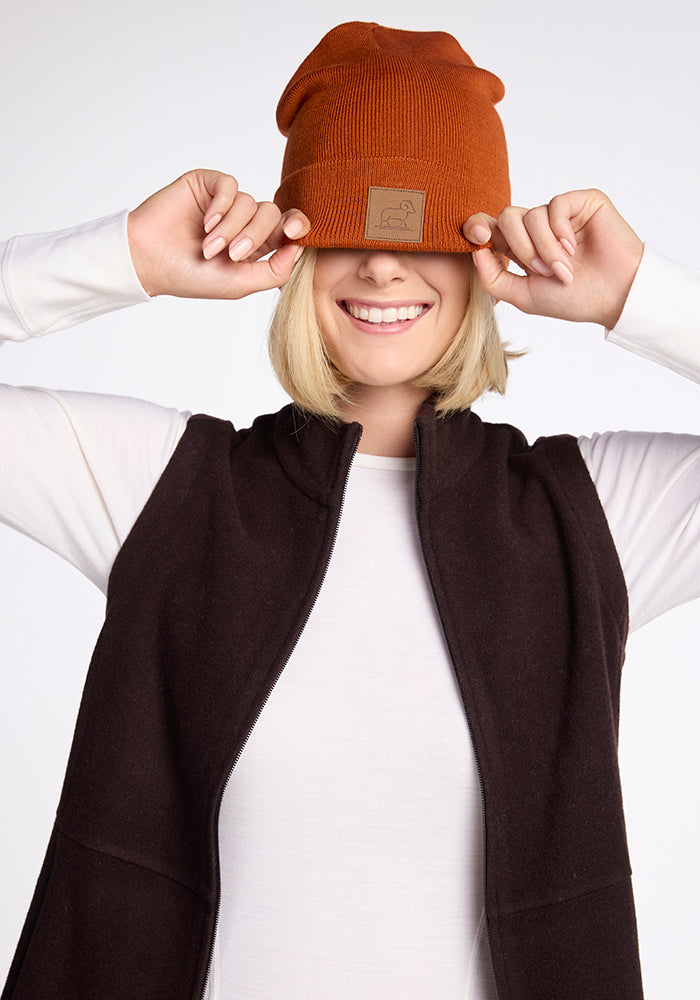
416	504
267	698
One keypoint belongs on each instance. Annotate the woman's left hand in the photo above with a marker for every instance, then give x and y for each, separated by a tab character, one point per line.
578	254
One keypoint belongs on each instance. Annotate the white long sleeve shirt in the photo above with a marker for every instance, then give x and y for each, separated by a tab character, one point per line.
316	899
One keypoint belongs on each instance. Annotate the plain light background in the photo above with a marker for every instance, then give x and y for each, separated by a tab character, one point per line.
104	103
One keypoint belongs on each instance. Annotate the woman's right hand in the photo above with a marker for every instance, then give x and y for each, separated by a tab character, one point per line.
200	237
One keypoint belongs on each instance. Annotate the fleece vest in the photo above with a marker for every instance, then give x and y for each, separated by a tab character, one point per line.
206	601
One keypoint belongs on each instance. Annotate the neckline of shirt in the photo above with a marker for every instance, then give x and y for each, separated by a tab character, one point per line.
384	462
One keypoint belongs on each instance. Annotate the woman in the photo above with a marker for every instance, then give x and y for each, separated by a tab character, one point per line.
273	679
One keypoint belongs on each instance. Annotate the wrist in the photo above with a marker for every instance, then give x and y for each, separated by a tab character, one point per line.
629	260
139	258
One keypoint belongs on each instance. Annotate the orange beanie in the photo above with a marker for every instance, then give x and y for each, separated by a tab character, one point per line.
393	140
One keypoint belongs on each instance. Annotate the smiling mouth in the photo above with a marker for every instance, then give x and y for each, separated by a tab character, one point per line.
387	315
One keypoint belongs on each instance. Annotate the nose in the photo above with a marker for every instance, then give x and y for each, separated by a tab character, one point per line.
382	267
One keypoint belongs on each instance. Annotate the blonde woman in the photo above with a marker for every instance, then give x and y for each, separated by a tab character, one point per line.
350	727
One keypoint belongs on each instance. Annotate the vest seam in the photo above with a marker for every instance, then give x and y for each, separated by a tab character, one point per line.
291	479
135	864
567	899
341	470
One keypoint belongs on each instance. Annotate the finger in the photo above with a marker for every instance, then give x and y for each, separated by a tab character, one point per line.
488	268
547	246
531	243
478	228
223	191
214	193
252	241
283	261
295	224
481	229
236	218
500	283
513	239
561	212
273	272
292	226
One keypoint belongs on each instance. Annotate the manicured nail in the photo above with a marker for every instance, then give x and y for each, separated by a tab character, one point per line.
540	267
571	250
293	228
211	249
240	249
480	234
297	254
562	272
213	222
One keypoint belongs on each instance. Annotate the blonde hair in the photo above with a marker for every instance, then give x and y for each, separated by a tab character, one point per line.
475	362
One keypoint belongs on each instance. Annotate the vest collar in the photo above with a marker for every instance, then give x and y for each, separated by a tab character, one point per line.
315	453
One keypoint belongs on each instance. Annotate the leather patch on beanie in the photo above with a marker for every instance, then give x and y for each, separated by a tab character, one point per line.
395	214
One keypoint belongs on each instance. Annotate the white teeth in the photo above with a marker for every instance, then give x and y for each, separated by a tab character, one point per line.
390	315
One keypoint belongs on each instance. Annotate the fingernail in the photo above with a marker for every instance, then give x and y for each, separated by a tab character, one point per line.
540	267
213	222
571	250
297	254
293	228
240	249
562	272
480	234
211	249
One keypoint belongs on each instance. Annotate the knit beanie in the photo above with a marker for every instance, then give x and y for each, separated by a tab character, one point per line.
393	140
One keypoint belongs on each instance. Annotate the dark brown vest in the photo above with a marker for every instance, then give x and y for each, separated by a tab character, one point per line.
206	600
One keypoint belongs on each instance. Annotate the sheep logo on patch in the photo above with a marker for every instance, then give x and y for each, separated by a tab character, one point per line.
394	215
395	218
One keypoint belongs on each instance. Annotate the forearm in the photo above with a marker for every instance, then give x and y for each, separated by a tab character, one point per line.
50	281
661	317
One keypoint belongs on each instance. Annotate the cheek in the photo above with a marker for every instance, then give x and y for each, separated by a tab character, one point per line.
452	279
330	268
456	312
325	308
331	336
324	319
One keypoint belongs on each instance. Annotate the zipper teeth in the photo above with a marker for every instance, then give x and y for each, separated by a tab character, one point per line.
267	698
416	440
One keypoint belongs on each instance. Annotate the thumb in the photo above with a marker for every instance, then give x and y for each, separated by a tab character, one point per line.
492	274
500	283
282	263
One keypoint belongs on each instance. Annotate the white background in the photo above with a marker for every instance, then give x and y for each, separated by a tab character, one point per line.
105	102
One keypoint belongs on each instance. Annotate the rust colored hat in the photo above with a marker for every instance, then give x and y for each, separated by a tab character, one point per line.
393	140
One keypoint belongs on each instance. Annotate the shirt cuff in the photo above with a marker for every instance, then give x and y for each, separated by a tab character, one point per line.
661	318
55	280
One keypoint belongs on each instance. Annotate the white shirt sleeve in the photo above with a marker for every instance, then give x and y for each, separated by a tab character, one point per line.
661	318
649	484
80	468
53	280
75	468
